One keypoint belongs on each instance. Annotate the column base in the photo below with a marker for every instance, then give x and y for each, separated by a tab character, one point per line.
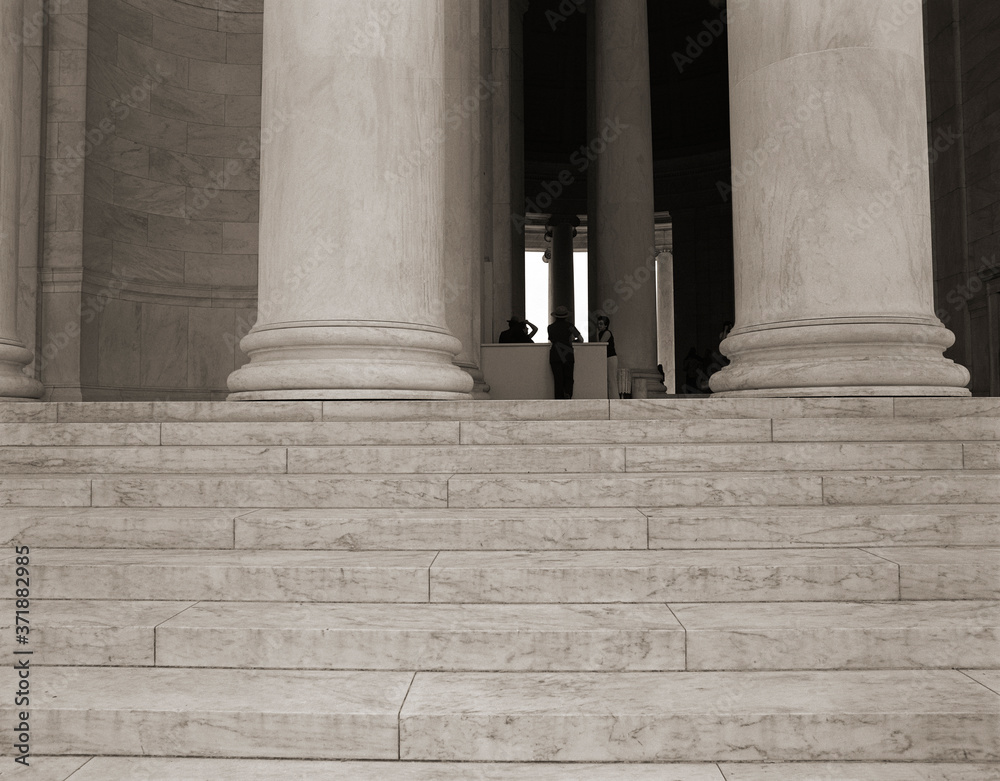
876	358
329	361
647	384
15	385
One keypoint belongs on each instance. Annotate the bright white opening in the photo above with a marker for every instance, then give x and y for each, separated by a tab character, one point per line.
536	292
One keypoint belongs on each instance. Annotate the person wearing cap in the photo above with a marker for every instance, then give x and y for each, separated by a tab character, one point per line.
517	331
562	335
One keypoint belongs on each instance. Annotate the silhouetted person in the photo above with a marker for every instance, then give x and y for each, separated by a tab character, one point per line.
693	369
604	335
562	334
517	331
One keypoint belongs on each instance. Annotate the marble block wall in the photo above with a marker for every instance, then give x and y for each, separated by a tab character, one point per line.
171	196
963	63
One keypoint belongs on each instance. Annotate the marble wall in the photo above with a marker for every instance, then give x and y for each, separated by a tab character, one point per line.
170	196
963	56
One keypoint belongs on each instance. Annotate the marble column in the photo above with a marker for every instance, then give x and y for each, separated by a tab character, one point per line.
621	222
834	289
561	278
14	356
465	94
506	274
352	231
665	319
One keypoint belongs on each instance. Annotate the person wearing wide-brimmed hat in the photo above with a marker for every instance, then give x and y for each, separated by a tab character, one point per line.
517	331
562	335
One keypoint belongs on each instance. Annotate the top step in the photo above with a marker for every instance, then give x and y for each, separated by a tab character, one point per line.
678	407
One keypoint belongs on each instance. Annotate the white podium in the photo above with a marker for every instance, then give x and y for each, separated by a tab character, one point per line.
521	371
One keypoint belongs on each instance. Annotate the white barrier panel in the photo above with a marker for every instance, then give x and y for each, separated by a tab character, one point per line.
521	371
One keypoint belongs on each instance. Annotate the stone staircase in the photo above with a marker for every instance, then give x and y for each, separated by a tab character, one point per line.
680	590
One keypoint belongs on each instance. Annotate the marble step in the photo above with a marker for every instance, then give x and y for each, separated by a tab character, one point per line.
252	576
416	459
185	769
840	635
304	714
946	573
545	637
646	490
663	576
372	491
968	487
774	527
423	637
162	460
887	715
615	432
444	529
107	527
79	434
900	429
803	456
360	432
92	632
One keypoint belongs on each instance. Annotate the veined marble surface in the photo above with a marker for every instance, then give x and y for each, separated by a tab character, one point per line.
862	715
87	632
655	576
946	408
841	635
311	576
982	455
988	678
880	430
104	527
665	490
271	491
74	434
598	432
443	529
861	771
166	460
423	637
44	492
798	456
946	573
535	409
369	433
914	488
687	408
146	769
91	710
765	527
456	459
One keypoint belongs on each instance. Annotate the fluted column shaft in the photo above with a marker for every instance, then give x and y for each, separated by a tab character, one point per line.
14	356
466	92
351	286
834	287
622	247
